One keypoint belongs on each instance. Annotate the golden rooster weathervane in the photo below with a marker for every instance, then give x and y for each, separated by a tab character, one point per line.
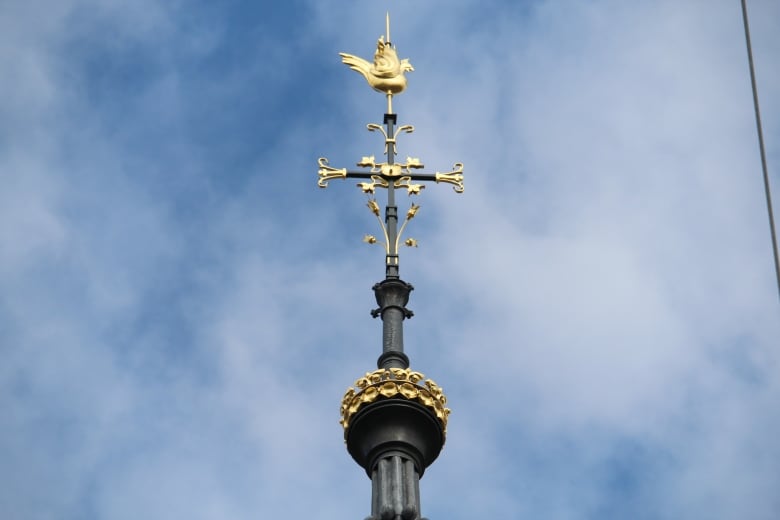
386	75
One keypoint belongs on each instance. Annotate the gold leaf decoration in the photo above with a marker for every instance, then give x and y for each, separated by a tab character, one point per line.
394	383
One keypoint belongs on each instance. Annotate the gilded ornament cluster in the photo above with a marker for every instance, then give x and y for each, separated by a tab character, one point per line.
394	382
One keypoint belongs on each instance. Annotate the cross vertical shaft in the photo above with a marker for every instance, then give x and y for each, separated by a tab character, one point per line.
391	210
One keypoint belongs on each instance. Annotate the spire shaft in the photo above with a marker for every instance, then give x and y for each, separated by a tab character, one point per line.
395	420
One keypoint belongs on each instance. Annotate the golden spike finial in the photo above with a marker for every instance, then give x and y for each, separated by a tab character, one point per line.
387	24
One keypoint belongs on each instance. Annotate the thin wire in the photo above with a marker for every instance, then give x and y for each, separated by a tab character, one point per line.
767	190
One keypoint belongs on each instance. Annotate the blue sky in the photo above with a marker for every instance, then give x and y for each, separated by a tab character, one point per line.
181	308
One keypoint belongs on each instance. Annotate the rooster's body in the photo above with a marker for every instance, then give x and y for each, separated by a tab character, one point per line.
386	74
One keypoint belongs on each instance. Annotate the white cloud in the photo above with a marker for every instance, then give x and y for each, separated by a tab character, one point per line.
599	304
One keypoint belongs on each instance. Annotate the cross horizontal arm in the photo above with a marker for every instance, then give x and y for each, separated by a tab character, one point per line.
414	176
454	177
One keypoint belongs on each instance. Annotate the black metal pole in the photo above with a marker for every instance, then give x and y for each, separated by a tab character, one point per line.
767	190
